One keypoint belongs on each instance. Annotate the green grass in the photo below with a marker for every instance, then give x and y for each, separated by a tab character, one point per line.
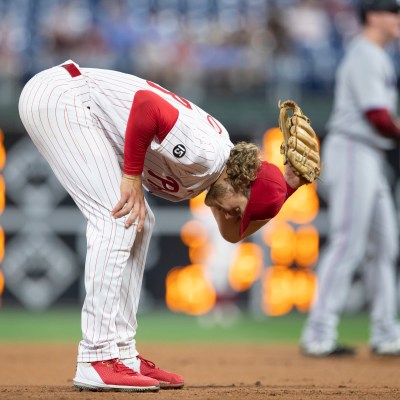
63	325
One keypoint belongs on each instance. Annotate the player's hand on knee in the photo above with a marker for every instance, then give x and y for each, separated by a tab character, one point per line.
131	201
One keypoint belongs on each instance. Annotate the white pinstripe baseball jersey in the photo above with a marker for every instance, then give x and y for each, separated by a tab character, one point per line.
77	119
187	161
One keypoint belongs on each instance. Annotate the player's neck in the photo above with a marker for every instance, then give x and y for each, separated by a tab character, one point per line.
375	36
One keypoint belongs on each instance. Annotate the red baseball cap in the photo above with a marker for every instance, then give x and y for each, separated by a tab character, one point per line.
268	192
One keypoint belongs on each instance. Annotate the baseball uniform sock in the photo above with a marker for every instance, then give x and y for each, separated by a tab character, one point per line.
167	380
112	375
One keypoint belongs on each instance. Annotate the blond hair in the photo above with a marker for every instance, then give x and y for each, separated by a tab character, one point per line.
242	166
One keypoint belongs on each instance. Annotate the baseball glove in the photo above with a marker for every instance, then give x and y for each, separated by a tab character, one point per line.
300	146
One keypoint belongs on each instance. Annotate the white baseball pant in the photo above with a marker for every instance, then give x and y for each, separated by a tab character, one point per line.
55	110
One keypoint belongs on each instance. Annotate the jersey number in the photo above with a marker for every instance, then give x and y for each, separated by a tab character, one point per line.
180	99
168	184
185	103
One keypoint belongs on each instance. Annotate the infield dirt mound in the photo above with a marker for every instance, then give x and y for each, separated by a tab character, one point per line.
45	372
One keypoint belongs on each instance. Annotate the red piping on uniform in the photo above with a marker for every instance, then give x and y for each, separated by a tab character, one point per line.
72	69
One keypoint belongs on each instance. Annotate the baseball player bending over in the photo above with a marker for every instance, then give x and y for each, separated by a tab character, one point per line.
106	135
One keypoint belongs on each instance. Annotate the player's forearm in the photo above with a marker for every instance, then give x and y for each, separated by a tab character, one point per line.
229	228
253	227
383	122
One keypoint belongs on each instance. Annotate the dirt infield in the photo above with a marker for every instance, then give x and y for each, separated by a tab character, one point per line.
45	371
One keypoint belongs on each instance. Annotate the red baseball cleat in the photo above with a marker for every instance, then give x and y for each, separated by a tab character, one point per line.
112	375
167	380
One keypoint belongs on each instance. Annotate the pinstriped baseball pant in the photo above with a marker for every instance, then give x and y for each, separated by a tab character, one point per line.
55	110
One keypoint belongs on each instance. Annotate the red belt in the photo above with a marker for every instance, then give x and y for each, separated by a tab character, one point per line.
72	70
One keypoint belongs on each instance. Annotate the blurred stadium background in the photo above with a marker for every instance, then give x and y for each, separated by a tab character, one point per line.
236	59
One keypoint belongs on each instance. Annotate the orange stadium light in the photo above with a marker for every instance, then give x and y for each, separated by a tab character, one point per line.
2	151
246	267
172	297
188	290
2	194
302	207
304	289
281	238
2	244
272	140
1	283
201	254
2	206
285	288
277	290
307	246
194	234
197	206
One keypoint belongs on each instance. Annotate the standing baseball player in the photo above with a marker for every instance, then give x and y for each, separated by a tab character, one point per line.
363	227
107	134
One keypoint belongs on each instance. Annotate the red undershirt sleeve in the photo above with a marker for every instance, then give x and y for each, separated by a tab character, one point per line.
383	122
150	116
